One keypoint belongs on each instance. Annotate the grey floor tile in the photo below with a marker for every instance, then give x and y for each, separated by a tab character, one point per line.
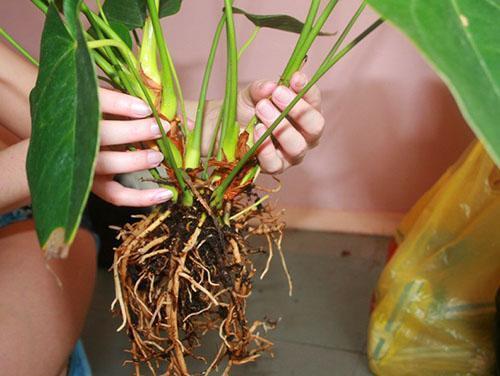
322	330
300	360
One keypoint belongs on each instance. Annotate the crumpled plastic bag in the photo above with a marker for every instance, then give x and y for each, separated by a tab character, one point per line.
435	301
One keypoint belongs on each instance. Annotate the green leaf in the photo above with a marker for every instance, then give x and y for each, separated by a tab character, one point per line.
169	7
122	31
64	140
132	13
275	21
461	39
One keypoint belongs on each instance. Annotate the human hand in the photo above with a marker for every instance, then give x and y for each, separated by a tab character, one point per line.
120	132
294	138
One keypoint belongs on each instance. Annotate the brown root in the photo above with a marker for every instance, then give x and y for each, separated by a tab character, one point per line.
182	272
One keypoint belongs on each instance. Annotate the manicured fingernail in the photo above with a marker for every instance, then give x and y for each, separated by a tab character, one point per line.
265	109
155	130
162	195
283	95
154	157
139	108
266	85
301	80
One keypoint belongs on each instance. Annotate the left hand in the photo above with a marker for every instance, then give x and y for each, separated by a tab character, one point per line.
293	138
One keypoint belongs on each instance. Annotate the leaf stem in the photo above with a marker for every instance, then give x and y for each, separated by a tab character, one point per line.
248	42
230	128
169	100
311	16
301	53
40	5
17	46
193	144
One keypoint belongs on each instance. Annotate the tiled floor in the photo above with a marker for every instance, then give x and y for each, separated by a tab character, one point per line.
323	327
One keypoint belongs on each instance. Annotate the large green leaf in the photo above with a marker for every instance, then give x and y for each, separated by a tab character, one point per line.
275	21
461	39
132	13
169	7
64	140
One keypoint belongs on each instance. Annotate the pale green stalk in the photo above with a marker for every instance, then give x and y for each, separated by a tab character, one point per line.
248	42
17	46
230	128
194	138
168	106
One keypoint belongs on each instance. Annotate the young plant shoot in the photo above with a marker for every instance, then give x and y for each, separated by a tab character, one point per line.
186	268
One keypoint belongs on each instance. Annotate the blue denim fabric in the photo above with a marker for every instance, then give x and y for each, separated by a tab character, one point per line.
78	363
17	215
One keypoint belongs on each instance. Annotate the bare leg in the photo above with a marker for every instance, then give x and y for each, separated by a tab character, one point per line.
40	320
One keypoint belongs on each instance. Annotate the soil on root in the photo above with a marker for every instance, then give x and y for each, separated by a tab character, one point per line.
183	272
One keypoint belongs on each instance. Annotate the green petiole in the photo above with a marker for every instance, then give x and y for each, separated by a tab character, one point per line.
248	42
193	144
17	46
230	128
168	105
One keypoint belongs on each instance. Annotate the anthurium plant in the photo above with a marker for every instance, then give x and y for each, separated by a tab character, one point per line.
185	269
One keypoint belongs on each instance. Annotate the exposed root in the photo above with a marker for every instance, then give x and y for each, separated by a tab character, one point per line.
182	272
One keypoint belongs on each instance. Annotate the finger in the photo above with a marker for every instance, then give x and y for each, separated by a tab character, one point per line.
309	121
313	95
116	132
291	142
116	103
286	164
267	154
249	97
117	162
115	193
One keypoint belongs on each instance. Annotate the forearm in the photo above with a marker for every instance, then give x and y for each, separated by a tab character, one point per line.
17	78
14	183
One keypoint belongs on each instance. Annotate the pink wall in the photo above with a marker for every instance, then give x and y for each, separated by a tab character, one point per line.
392	125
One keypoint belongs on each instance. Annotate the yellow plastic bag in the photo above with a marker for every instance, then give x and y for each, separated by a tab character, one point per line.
434	302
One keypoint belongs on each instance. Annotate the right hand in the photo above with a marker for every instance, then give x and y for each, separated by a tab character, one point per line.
121	132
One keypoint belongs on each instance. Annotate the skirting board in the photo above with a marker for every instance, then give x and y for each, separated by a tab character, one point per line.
317	219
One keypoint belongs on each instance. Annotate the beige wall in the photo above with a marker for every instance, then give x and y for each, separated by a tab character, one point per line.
392	126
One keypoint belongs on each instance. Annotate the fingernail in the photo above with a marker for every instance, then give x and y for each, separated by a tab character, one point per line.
154	157
155	129
265	109
139	108
162	195
301	80
283	95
